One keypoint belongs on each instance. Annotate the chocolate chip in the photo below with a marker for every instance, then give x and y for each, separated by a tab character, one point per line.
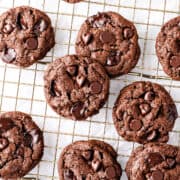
23	24
87	38
7	28
154	159
87	155
99	21
80	79
113	59
35	136
157	175
51	90
18	21
3	143
72	70
152	135
145	108
96	164
31	138
28	140
8	55
175	61
98	155
110	172
32	43
107	37
40	26
95	87
149	96
135	125
68	174
5	124
171	162
78	109
128	33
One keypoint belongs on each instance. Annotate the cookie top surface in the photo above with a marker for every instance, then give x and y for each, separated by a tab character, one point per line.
168	48
21	144
112	40
144	112
91	159
154	162
76	87
24	32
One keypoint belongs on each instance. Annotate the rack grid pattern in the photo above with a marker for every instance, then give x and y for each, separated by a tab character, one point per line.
22	89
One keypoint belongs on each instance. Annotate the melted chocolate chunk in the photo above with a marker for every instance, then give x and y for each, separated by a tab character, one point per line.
95	87
78	109
9	55
107	37
18	21
113	58
51	90
87	38
32	43
135	125
40	26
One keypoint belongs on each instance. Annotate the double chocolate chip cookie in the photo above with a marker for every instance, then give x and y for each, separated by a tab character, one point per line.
76	87
90	160
144	112
112	40
21	145
168	48
26	35
154	162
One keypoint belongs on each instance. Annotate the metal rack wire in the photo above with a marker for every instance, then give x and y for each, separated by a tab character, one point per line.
22	89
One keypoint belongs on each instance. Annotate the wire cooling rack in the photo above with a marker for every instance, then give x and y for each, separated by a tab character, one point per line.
22	89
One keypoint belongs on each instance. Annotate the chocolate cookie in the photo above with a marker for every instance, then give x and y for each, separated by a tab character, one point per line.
154	162
73	1
144	112
24	33
76	87
90	160
168	48
21	145
112	40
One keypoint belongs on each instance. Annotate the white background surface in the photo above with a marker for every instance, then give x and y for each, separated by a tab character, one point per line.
22	89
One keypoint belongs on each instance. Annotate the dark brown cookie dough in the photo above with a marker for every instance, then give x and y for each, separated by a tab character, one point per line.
26	35
154	162
144	112
76	87
73	1
168	47
90	160
112	40
21	145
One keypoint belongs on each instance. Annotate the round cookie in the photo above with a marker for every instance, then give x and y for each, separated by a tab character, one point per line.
24	33
154	161
91	159
144	112
21	145
73	1
76	87
112	40
168	48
